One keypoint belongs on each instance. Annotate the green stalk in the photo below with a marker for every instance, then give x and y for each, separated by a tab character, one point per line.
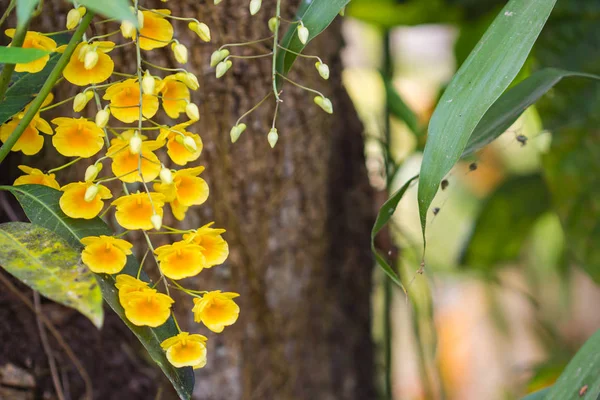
54	76
8	69
275	44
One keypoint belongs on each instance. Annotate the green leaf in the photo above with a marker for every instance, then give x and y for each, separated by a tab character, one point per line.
572	170
509	107
25	9
15	55
118	9
40	204
46	263
479	82
399	109
316	15
539	395
383	216
581	379
505	221
390	13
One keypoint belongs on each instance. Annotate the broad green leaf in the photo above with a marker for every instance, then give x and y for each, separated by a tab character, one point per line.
539	395
572	170
383	216
399	109
118	9
25	9
505	221
479	82
509	107
316	15
46	263
15	55
581	379
40	204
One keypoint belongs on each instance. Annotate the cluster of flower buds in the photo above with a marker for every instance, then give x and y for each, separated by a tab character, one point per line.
135	149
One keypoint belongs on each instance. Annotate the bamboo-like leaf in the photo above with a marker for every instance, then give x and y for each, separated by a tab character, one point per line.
118	9
15	55
316	15
399	109
479	82
25	9
383	216
46	263
509	107
40	204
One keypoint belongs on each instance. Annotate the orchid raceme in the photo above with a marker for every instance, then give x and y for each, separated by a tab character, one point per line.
136	119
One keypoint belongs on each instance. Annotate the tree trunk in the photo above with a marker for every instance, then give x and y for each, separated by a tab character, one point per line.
297	217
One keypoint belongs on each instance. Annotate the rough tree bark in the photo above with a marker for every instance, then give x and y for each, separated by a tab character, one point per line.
297	217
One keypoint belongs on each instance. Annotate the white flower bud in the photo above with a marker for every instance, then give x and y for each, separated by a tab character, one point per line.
90	193
217	2
140	19
148	83
223	67
156	221
127	29
166	176
74	17
255	6
272	137
303	33
90	60
135	143
92	172
191	110
200	29
323	69
273	24
188	79
102	118
190	144
325	104
236	132
81	100
218	56
180	52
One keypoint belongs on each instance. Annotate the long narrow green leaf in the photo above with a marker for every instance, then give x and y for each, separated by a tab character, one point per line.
509	107
316	15
25	9
581	379
118	9
15	55
40	204
383	216
539	395
480	81
46	263
399	109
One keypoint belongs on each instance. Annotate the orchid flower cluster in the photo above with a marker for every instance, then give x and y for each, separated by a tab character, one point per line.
221	60
124	138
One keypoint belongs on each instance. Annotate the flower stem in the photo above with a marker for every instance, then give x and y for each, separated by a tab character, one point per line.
36	104
64	166
9	9
275	43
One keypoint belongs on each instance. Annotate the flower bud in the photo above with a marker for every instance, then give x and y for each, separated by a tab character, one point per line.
218	56
255	6
303	33
166	176
323	69
156	221
200	29
74	17
180	52
236	132
188	79
223	67
191	110
272	137
90	193
102	118
135	143
190	144
273	24
148	83
90	60
217	2
81	100
140	19
127	29
324	103
92	172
